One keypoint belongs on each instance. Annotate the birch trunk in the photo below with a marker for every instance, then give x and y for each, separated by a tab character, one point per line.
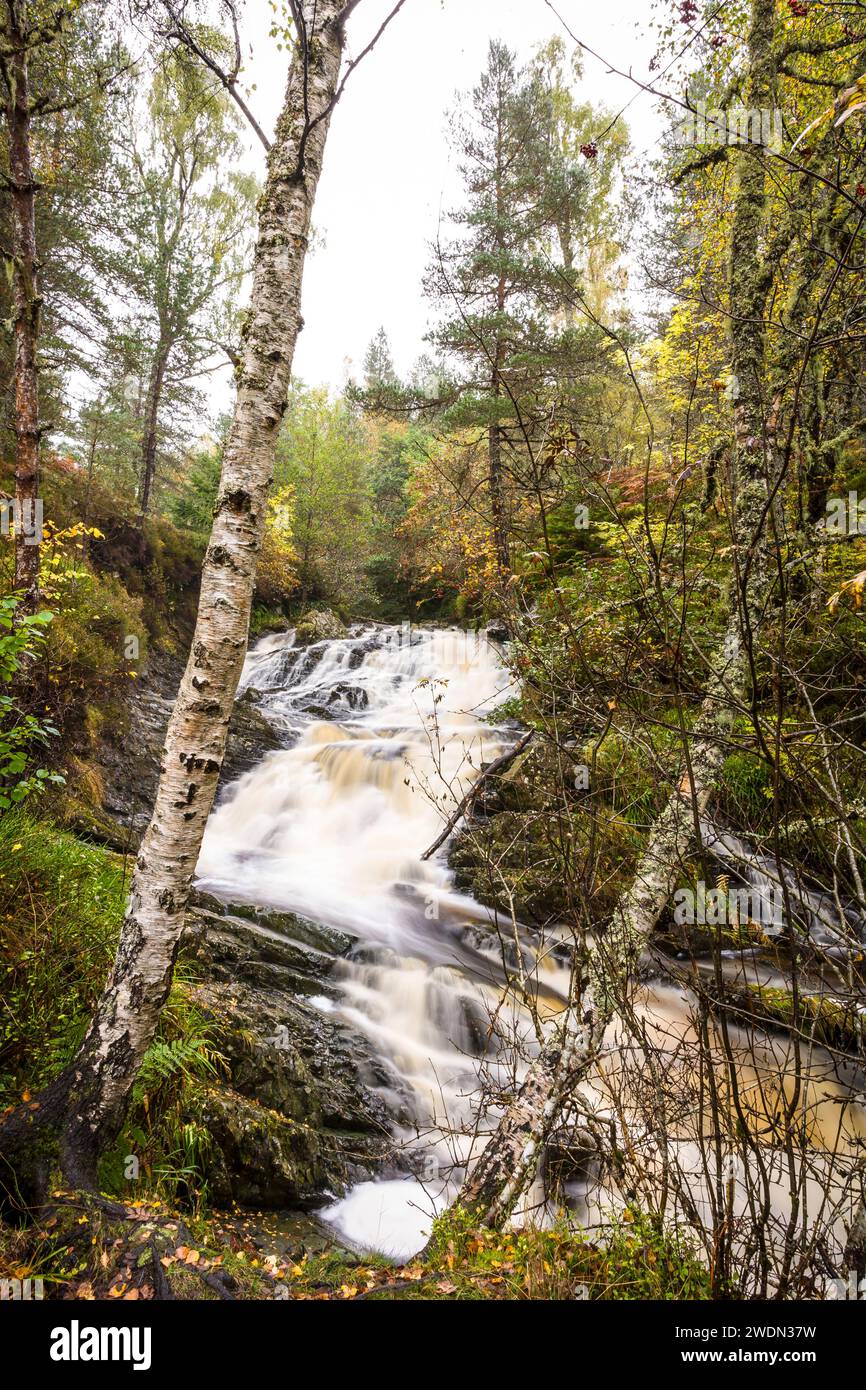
151	426
510	1160
26	303
88	1102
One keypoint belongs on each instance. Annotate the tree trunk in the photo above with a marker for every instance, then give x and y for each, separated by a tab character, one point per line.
510	1160
151	426
93	1093
26	302
497	503
494	443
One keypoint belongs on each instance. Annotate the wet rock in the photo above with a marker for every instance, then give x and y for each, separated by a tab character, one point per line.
289	1235
354	696
315	934
250	737
319	625
299	1112
513	844
258	1157
129	757
571	1155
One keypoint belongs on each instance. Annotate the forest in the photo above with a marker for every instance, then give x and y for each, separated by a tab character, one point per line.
432	797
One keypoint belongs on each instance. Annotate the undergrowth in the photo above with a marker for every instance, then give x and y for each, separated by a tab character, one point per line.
61	907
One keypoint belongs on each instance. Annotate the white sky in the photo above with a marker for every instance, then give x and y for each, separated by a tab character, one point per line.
388	171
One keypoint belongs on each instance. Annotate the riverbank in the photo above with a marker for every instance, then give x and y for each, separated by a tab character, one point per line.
327	1035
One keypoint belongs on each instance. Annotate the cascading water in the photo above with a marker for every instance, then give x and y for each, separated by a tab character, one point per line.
387	729
390	729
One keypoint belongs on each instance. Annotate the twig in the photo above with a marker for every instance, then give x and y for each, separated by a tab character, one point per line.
467	800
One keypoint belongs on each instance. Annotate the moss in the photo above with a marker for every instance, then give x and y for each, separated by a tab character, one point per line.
62	902
266	618
828	1021
634	1258
61	905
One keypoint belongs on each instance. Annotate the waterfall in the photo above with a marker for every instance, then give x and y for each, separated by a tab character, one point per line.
386	729
389	727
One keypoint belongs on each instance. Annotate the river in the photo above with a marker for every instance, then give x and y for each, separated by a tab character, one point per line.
387	728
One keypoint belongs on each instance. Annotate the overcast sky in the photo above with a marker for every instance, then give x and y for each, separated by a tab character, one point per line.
388	171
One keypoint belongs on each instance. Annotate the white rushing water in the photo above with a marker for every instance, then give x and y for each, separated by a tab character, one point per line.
387	729
334	828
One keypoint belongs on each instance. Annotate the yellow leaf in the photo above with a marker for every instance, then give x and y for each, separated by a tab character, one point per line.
853	589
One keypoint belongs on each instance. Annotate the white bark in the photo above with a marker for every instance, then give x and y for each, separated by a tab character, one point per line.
100	1079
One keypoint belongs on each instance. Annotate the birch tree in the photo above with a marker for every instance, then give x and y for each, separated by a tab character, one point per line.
510	1160
191	237
87	1103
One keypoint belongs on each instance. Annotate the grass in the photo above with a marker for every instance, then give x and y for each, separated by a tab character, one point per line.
62	903
637	1260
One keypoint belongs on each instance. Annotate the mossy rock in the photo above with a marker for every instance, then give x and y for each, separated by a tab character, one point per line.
259	1157
319	625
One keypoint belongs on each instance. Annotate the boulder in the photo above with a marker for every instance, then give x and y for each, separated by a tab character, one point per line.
298	1112
319	625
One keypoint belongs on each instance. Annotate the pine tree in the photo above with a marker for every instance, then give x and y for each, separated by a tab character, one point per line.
378	363
508	280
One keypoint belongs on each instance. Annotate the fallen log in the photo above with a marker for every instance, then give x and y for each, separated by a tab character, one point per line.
837	1024
466	801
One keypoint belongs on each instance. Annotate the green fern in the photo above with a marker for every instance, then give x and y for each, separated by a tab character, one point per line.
184	1059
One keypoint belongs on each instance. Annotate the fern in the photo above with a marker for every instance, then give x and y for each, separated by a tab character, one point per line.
181	1058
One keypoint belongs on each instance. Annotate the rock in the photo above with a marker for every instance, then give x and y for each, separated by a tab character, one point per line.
319	625
570	1154
257	1157
129	758
251	736
288	1235
355	696
315	934
299	1112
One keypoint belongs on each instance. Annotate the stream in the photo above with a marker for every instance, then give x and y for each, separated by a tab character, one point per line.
390	729
386	729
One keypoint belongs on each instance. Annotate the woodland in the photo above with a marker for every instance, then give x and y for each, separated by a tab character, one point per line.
432	806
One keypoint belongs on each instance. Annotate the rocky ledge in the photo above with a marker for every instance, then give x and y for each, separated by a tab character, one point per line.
128	757
297	1113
